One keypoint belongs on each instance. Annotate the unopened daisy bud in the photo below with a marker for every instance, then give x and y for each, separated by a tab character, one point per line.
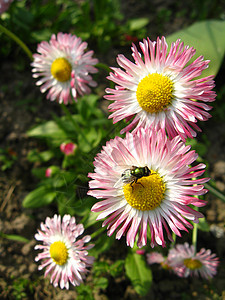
68	148
64	256
140	251
48	172
64	68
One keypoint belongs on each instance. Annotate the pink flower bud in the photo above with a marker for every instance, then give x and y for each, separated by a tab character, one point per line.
48	172
68	148
140	251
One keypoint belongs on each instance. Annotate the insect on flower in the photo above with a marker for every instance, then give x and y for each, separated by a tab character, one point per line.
163	203
134	173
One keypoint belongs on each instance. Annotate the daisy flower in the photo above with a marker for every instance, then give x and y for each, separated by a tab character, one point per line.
64	256
186	262
155	258
158	258
4	5
64	67
146	179
158	90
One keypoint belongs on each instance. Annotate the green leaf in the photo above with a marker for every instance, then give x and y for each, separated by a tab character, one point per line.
136	24
139	273
14	237
39	172
103	243
84	292
100	268
36	156
101	283
116	268
200	147
41	35
208	38
91	219
47	130
203	225
89	139
41	196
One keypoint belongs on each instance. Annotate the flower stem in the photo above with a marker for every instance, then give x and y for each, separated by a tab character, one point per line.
215	191
76	126
18	41
194	233
174	239
103	66
97	232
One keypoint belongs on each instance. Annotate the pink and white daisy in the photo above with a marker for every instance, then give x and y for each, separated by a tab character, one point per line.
158	258
64	256
4	5
64	67
160	198
185	262
155	258
158	90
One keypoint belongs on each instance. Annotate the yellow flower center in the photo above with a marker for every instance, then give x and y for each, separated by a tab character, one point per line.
192	264
154	92
147	193
59	253
61	69
165	266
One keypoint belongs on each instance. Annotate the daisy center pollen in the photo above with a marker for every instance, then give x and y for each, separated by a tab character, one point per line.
59	253
192	264
61	69
154	92
147	193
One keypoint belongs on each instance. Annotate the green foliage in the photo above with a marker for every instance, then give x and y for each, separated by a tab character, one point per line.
36	156
7	158
85	292
39	197
203	225
208	38
102	244
101	272
21	288
14	237
138	272
137	24
201	147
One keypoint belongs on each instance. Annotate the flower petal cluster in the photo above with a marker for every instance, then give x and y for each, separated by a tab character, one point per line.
63	255
160	200
155	258
64	67
185	262
159	90
4	5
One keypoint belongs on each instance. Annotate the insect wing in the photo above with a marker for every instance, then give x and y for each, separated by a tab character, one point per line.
118	183
125	178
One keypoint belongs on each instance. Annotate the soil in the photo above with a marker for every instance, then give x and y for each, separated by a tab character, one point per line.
17	266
